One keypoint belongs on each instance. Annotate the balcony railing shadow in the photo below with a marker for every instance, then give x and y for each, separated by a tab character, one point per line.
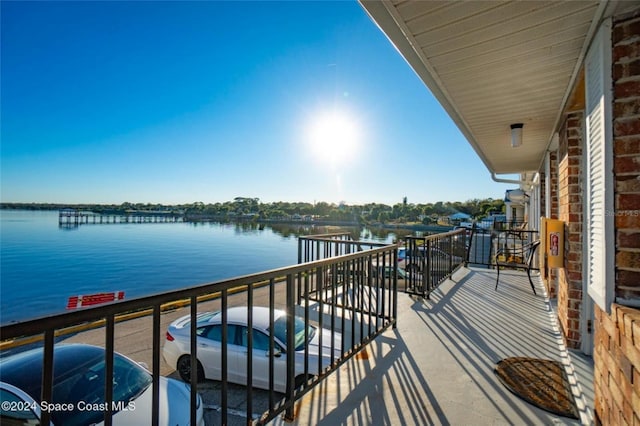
437	367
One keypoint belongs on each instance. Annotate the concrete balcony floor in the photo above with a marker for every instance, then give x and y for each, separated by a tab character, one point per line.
437	366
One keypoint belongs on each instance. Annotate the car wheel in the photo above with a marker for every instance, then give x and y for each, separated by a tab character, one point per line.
184	369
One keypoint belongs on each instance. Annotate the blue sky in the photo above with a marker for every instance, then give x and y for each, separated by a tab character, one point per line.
177	102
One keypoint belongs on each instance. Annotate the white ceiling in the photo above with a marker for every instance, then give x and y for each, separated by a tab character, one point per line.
494	63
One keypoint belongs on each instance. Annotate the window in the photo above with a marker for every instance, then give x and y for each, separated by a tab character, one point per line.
260	340
599	232
14	410
214	332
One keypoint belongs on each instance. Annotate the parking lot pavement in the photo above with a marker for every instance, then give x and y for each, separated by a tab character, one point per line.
211	392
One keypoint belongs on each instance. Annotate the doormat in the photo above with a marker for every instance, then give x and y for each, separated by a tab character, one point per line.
540	382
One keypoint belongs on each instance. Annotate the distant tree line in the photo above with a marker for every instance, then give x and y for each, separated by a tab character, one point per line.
245	207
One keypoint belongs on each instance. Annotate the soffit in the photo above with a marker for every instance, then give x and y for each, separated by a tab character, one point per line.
494	63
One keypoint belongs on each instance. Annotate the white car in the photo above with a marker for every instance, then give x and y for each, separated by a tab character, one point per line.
176	351
78	390
414	262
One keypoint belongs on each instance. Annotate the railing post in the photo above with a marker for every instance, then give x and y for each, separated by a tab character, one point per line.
155	398
47	374
427	270
395	288
299	262
250	353
108	369
194	354
225	353
450	237
289	412
467	246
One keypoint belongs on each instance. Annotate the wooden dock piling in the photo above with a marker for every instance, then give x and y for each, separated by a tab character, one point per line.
73	218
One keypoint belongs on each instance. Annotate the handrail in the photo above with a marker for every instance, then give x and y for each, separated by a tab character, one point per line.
432	259
370	303
67	319
169	306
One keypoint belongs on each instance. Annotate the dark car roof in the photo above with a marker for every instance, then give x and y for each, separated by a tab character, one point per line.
24	370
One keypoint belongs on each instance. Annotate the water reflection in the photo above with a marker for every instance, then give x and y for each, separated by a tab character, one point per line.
294	230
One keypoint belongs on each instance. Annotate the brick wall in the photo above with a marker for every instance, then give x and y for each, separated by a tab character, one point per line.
617	336
569	278
626	131
617	366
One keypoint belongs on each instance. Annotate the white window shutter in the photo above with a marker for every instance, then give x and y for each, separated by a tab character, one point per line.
599	218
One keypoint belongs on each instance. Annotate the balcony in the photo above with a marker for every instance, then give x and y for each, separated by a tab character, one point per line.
437	366
410	359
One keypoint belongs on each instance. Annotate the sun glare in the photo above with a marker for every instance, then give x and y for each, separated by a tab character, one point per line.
334	138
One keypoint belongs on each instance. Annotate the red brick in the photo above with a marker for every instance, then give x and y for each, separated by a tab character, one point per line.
628	202
575	198
574	169
628	221
627	164
627	278
624	30
627	412
630	352
626	69
628	259
574	138
577	229
625	52
574	121
629	318
627	183
628	107
598	313
575	217
574	257
575	157
635	326
609	326
575	294
627	89
577	268
627	126
628	239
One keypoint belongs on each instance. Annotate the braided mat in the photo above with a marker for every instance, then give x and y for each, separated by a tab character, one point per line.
540	382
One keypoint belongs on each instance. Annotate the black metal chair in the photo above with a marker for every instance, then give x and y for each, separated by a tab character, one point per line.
517	258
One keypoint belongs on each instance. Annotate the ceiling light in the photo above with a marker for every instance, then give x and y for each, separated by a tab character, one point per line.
516	134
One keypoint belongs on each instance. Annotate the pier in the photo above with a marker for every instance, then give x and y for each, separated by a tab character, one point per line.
74	218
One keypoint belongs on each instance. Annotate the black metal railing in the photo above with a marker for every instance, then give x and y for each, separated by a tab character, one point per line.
512	224
483	243
430	260
510	243
353	308
319	247
480	248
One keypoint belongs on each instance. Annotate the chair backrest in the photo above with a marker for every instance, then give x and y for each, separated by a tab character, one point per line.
532	251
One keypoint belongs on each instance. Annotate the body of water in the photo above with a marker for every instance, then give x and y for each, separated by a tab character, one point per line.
43	264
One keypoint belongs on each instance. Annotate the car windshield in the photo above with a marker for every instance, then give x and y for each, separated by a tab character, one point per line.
84	388
280	331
